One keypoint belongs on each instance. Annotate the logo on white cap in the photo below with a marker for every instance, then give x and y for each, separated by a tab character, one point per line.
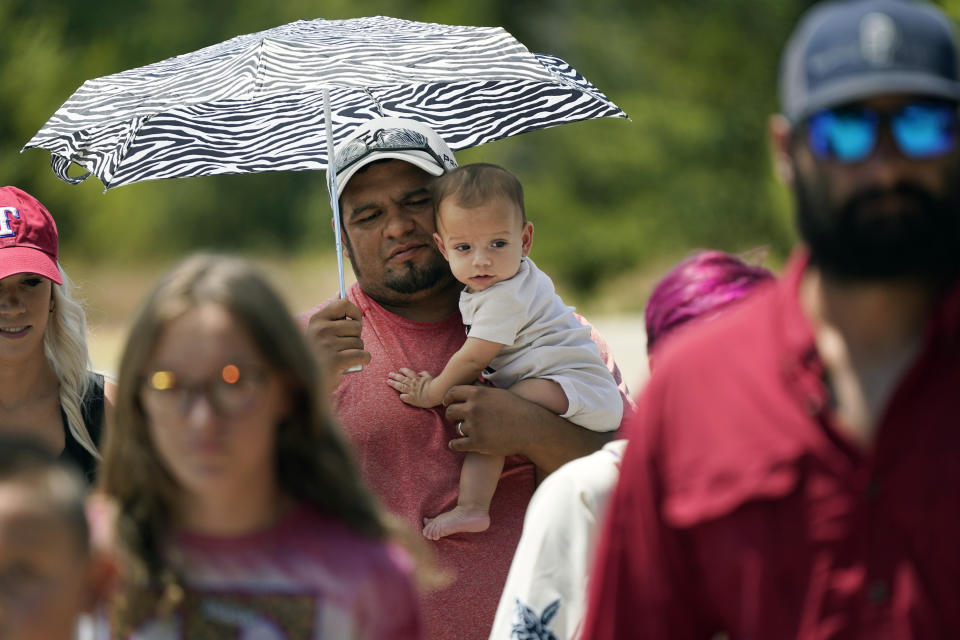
879	39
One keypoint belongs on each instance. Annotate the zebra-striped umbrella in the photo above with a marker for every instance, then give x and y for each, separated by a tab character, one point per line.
255	102
267	101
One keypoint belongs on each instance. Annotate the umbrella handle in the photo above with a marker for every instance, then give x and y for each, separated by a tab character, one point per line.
334	202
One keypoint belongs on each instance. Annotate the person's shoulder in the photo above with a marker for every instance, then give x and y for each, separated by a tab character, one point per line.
527	276
607	456
716	341
383	563
532	275
591	470
338	536
583	480
315	539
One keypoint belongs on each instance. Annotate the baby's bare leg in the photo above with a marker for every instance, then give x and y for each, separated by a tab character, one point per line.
481	473
546	393
478	482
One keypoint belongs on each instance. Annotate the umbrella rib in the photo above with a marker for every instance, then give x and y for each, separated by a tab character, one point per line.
258	76
376	102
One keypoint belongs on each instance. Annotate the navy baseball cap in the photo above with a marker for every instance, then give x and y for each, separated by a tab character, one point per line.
848	50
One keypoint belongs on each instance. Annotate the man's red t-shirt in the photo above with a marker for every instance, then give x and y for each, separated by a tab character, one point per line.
403	456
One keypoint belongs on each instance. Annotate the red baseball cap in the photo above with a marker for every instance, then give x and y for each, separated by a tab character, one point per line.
28	236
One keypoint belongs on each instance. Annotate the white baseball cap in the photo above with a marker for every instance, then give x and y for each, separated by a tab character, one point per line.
391	138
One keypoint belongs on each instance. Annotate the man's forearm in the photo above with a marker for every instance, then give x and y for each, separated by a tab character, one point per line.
498	422
550	441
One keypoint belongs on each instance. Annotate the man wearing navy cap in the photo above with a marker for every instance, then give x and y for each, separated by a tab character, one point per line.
794	467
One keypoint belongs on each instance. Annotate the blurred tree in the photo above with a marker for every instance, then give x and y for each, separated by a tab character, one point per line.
698	79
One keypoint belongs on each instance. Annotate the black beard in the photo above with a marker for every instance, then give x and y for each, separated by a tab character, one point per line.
854	242
414	279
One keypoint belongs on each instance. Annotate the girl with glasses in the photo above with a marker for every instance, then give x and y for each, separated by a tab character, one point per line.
239	510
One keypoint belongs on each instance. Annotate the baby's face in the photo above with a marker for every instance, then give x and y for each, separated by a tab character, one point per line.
44	572
484	244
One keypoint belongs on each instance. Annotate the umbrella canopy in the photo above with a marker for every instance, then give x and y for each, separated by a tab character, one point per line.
256	102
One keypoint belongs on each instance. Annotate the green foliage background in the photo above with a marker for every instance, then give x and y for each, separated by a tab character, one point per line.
691	170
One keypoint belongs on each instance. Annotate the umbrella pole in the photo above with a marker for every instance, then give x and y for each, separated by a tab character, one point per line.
332	185
334	201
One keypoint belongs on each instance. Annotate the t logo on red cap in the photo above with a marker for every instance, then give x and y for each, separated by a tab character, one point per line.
30	244
5	213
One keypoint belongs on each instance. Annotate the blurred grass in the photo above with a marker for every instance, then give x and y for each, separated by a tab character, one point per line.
112	293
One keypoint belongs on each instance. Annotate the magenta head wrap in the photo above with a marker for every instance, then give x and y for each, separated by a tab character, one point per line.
699	286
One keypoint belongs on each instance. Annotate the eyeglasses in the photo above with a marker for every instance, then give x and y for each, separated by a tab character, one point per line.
235	390
920	130
387	140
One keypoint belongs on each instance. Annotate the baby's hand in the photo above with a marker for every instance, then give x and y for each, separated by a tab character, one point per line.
414	388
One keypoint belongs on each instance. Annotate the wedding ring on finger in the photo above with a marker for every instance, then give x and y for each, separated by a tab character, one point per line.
460	429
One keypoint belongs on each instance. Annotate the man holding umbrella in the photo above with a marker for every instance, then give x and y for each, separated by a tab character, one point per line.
792	470
403	311
258	102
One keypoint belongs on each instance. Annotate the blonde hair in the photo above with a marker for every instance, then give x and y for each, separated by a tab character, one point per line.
65	347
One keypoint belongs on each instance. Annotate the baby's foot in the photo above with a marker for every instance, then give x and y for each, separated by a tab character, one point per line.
457	520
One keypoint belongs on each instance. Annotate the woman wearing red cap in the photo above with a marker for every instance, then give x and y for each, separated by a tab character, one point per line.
47	389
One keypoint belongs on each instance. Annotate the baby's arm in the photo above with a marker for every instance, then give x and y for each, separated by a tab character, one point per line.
423	390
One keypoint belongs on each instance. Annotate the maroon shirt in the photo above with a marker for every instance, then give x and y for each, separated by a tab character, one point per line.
741	507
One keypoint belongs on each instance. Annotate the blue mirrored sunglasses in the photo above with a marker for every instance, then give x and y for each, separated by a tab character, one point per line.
849	134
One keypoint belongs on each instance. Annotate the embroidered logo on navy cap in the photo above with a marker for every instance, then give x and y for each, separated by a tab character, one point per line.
879	39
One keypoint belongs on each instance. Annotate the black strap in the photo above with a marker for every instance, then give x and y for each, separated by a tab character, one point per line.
91	408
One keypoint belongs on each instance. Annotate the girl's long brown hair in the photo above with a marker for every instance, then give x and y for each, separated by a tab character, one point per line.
313	462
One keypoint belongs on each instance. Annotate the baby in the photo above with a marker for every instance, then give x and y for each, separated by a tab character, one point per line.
520	334
49	575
